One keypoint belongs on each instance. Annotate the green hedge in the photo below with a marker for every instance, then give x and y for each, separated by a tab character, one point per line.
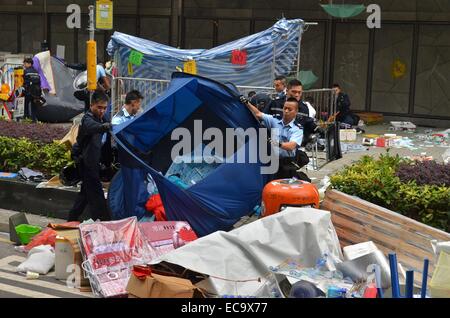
375	181
16	153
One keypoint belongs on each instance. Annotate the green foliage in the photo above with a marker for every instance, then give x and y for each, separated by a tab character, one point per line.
16	153
376	181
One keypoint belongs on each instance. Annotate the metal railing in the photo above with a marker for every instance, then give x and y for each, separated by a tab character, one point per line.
323	100
151	89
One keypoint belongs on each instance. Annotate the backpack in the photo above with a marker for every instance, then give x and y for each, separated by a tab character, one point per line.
33	83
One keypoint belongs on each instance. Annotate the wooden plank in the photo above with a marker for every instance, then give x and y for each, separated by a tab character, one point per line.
416	241
394	216
406	261
398	245
349	236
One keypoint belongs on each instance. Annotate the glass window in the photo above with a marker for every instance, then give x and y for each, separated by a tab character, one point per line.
312	50
61	35
199	34
230	30
261	25
432	94
155	29
351	58
32	28
392	68
8	27
125	25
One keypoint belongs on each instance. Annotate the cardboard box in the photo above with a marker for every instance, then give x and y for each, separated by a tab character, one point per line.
164	235
347	134
67	252
403	125
160	286
371	118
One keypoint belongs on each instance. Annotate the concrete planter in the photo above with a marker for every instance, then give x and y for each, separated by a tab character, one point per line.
25	197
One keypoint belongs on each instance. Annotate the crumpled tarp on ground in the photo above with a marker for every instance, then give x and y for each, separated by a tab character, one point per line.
247	253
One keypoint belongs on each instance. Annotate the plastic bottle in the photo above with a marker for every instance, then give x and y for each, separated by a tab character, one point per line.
336	292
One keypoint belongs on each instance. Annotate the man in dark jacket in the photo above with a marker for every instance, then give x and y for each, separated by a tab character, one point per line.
344	116
32	85
87	152
294	90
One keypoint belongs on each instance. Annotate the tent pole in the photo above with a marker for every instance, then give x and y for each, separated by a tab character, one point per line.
273	61
298	49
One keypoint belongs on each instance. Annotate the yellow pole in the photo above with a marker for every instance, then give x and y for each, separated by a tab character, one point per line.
91	54
91	59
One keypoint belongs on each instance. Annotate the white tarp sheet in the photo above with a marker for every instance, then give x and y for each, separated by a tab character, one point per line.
246	253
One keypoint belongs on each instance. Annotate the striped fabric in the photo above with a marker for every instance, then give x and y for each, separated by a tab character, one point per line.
270	52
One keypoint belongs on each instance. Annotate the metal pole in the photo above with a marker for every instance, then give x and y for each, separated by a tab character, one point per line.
91	56
45	21
298	49
91	27
273	60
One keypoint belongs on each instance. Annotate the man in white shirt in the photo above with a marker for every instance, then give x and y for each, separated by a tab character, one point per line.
133	101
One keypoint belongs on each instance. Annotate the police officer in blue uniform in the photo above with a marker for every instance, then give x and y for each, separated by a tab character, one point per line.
289	137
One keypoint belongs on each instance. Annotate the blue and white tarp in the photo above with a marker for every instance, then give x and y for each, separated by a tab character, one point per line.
271	52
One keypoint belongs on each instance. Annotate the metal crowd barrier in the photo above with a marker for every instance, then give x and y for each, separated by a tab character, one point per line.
151	89
323	100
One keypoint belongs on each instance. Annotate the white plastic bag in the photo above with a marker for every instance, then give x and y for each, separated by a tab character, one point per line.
446	156
41	259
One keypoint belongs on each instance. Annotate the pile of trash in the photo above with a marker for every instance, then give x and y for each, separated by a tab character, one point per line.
295	253
428	139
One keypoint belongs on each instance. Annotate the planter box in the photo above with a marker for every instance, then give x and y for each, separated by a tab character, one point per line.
358	221
25	197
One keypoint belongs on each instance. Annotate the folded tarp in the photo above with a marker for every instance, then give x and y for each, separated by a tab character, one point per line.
272	51
246	253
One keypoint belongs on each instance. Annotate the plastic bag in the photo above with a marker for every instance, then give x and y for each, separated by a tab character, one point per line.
40	260
440	283
155	205
46	237
111	249
446	156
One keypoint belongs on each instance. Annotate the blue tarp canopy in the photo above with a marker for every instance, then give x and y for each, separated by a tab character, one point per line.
194	104
272	51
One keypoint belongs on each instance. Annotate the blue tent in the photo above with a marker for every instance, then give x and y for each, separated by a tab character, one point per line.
227	193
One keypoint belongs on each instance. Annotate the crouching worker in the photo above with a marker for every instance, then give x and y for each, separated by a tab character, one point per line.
86	153
288	140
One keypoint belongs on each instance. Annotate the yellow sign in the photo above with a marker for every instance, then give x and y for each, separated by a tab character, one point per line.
398	69
18	77
130	69
190	67
104	15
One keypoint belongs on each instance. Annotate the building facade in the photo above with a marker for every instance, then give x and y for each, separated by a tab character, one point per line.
401	69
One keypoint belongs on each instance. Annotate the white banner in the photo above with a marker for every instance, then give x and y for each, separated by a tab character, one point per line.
19	109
